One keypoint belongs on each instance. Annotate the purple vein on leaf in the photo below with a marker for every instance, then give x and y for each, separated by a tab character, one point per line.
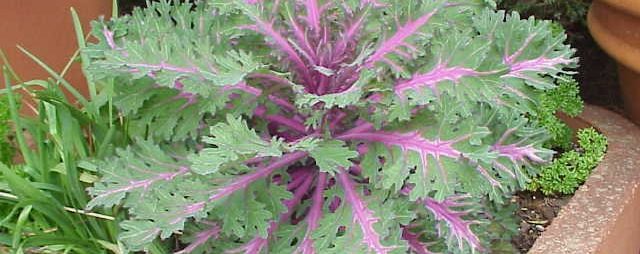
459	228
240	183
201	238
441	72
362	216
315	213
258	243
137	184
398	39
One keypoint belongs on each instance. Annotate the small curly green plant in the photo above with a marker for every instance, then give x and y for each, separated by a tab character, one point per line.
567	172
571	168
565	98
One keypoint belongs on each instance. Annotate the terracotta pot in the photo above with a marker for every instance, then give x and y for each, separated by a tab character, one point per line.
615	25
45	28
602	217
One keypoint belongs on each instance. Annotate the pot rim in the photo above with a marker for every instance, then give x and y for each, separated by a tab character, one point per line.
610	40
629	6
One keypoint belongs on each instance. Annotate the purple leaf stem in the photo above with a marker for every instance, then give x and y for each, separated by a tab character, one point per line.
298	177
440	73
201	238
242	86
282	43
314	215
241	183
414	242
488	176
313	14
271	78
541	64
408	141
108	35
509	59
245	180
257	244
137	184
348	35
411	141
458	226
252	247
516	153
281	120
301	36
374	3
298	194
282	103
361	126
362	216
398	38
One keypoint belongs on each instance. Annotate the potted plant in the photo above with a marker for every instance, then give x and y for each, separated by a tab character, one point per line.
307	127
45	28
318	127
615	25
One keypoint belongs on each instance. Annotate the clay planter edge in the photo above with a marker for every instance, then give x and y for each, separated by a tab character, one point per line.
45	28
615	26
602	216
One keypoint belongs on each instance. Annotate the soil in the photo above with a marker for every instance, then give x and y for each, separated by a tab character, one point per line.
536	212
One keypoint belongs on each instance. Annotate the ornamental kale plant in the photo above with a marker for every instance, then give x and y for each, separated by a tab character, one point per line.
351	126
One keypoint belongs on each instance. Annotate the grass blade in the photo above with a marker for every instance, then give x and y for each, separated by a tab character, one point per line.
114	9
80	37
17	232
15	118
29	195
77	95
5	62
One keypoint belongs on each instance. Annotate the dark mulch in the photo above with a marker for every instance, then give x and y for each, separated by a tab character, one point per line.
535	213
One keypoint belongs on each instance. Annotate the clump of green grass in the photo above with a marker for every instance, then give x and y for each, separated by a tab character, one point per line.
6	150
42	200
